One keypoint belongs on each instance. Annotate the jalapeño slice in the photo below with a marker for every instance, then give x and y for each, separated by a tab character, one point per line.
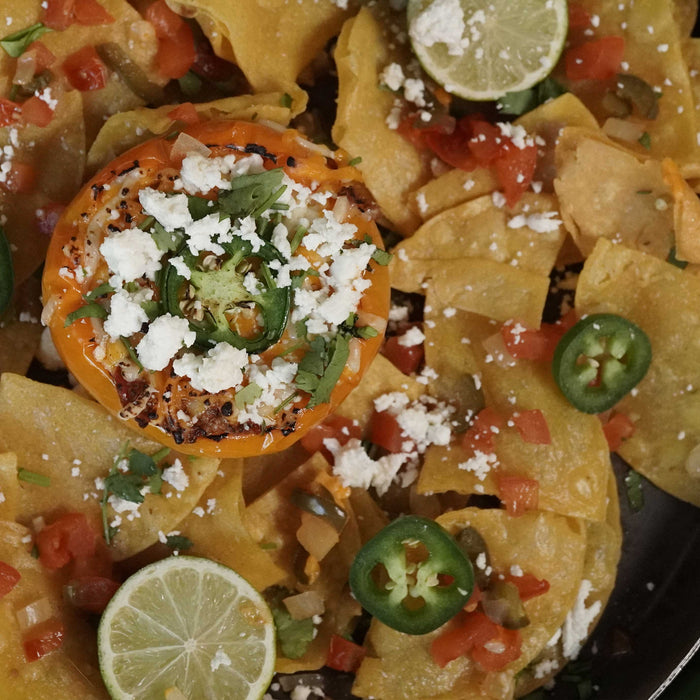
218	302
600	360
412	576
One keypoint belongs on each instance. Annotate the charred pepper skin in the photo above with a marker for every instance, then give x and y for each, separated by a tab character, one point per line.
600	360
444	579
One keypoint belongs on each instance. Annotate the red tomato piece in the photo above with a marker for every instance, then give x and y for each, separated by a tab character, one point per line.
407	358
69	537
617	429
499	651
595	60
21	178
85	70
528	585
471	630
185	113
36	111
344	655
90	593
43	57
486	142
528	344
454	147
481	432
176	48
43	638
59	14
9	578
532	426
9	111
518	493
338	427
90	13
515	168
385	431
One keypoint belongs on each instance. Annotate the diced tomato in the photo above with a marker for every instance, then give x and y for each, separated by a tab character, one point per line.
539	345
99	563
481	432
185	113
617	429
455	147
9	111
43	57
47	216
519	494
578	16
59	14
595	60
85	70
9	578
90	13
21	178
515	168
499	651
472	629
385	431
407	358
338	427
90	593
43	638
36	111
176	48
528	585
532	426
344	655
486	142
69	537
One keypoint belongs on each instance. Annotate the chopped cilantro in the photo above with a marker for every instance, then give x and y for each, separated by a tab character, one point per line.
132	353
30	477
355	161
635	494
17	43
247	395
100	291
252	194
167	241
522	101
645	140
296	238
91	310
286	100
178	542
125	486
199	207
321	367
294	636
285	403
381	257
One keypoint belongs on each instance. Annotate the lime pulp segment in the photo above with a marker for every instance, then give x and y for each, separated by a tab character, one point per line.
191	624
481	49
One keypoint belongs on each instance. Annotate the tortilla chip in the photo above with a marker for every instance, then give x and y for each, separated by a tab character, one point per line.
217	531
128	129
68	672
685	13
381	377
74	441
627	203
240	31
9	486
571	480
19	341
391	166
549	118
686	214
527	236
665	405
399	666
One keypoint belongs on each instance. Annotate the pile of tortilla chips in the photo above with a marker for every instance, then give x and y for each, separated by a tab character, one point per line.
623	208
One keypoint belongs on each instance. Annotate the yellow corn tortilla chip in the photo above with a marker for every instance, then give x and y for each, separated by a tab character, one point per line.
217	531
571	480
241	30
57	154
685	13
549	118
9	486
686	214
18	343
391	166
665	405
68	672
399	667
527	236
127	129
74	441
629	203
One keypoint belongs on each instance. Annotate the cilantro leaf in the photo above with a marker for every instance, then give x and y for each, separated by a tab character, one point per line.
167	241
125	486
141	464
332	372
100	291
199	207
381	257
178	542
247	395
91	310
17	43
294	636
252	194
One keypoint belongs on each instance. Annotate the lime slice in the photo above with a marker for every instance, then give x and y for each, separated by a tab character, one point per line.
481	49
186	627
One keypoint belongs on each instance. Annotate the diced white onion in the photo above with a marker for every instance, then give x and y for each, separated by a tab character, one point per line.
354	356
305	605
367	319
622	129
33	614
38	524
26	68
496	348
186	144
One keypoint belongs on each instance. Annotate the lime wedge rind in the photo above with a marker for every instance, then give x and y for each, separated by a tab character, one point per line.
517	45
189	623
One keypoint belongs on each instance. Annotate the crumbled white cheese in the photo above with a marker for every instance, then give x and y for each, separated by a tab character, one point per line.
165	336
176	476
578	621
131	254
220	369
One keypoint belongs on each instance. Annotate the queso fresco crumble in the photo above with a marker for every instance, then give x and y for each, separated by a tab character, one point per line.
228	274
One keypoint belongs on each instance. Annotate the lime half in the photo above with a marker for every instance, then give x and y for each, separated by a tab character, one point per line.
188	624
481	49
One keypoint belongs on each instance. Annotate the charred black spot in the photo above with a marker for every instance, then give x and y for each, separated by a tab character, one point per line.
261	151
129	169
291	162
227	409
